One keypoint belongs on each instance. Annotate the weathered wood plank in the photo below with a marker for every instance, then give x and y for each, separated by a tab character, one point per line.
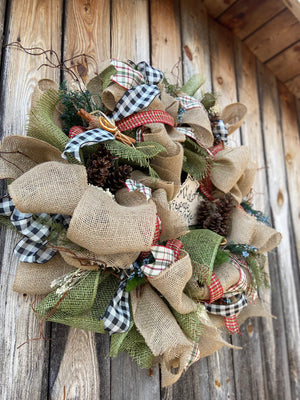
79	364
217	7
294	6
292	161
250	363
244	17
130	40
294	86
279	203
165	38
2	15
286	65
269	40
26	369
195	42
87	31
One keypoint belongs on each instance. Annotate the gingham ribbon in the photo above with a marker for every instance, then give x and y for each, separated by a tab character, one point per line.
241	285
126	77
188	102
151	75
143	118
134	185
164	256
215	288
250	291
232	324
227	310
175	245
194	356
117	315
134	100
32	247
220	131
86	138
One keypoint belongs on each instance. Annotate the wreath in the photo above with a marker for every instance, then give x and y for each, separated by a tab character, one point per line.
136	215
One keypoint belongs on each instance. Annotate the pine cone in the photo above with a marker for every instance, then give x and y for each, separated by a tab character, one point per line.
117	178
99	166
203	212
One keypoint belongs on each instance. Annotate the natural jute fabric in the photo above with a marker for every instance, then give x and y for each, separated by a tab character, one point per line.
102	226
173	224
21	153
171	105
159	134
233	116
33	278
198	119
159	328
130	199
229	166
111	95
245	229
171	283
51	187
154	183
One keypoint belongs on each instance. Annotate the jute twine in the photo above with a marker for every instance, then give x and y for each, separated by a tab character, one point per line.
172	281
159	328
21	153
198	119
102	226
173	225
51	187
246	229
33	278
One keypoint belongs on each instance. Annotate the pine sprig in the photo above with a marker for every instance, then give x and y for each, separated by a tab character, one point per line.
196	160
259	215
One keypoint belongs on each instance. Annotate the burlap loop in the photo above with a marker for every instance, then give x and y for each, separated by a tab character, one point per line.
102	226
21	153
243	185
154	183
33	278
173	225
170	104
159	134
197	118
130	199
112	95
233	116
159	328
227	274
169	168
245	229
172	281
51	187
229	166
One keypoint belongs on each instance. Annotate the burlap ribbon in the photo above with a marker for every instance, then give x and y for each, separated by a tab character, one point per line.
245	229
154	183
33	278
18	154
197	118
233	116
51	187
102	226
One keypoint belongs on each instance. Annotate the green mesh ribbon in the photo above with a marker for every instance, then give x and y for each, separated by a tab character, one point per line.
193	84
83	305
106	75
202	246
133	343
191	323
41	125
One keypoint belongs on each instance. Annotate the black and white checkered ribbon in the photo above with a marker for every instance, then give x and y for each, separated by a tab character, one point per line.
220	131
32	248
135	99
226	310
86	138
117	315
151	75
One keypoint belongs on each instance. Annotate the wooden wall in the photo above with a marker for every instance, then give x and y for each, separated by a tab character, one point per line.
75	364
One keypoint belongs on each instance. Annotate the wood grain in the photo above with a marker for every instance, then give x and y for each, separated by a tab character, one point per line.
244	17
217	7
290	57
195	42
165	39
26	370
87	31
275	36
2	16
279	203
130	40
293	86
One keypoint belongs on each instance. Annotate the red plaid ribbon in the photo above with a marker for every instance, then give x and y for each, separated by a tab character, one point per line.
232	324
175	245
145	117
215	288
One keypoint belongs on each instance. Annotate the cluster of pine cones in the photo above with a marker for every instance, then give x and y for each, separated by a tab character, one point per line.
101	170
216	216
